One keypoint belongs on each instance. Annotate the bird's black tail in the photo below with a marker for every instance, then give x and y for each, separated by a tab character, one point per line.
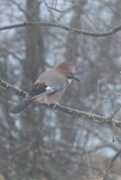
18	108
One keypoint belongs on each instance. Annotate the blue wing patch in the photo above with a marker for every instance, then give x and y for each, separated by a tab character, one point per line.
59	87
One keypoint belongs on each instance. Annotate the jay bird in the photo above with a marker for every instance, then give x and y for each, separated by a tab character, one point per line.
49	86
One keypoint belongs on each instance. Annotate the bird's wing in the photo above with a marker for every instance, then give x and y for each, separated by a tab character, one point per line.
41	89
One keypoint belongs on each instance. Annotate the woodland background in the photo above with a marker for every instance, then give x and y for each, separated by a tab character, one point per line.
45	144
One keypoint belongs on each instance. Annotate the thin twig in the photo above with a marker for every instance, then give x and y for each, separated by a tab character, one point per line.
51	12
111	164
65	10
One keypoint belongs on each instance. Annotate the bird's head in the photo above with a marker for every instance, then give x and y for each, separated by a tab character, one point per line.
68	70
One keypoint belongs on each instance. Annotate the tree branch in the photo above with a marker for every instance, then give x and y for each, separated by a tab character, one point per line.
6	85
94	117
62	26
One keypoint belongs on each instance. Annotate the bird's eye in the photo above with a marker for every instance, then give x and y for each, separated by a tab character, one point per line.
71	75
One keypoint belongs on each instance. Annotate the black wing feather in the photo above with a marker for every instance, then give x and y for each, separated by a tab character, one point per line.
37	89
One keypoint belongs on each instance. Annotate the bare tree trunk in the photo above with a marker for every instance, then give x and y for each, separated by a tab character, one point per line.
34	59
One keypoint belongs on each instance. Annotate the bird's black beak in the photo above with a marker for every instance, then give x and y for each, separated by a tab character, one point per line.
76	78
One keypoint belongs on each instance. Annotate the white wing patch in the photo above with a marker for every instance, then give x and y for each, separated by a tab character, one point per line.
48	88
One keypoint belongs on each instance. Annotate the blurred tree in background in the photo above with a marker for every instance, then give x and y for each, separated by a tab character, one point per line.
42	144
